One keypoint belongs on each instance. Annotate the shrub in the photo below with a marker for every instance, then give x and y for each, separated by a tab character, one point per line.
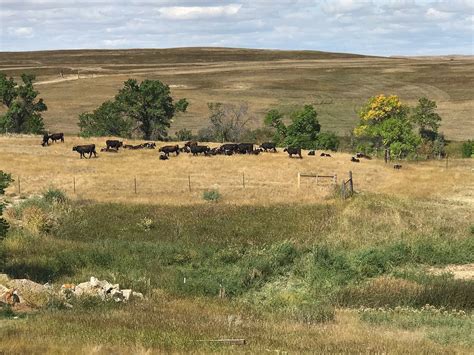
184	134
467	149
53	195
211	195
327	141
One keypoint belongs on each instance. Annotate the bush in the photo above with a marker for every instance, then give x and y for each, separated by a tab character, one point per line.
327	141
53	195
184	134
467	149
211	195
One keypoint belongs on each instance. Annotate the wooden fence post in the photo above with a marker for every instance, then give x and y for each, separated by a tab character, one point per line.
351	183
189	182
299	180
243	179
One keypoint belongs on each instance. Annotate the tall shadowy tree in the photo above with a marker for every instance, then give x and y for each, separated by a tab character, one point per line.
146	107
424	115
23	114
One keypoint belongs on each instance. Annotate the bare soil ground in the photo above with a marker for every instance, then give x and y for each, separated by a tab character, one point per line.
336	83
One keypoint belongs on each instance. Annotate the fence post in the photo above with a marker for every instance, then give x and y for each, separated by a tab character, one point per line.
243	179
189	182
351	183
299	180
135	180
343	190
447	161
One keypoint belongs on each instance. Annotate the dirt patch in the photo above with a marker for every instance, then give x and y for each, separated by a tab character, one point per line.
460	272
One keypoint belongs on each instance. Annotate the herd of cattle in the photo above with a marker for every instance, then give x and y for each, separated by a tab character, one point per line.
194	148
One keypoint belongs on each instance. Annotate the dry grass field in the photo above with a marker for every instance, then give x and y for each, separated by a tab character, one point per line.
269	177
336	83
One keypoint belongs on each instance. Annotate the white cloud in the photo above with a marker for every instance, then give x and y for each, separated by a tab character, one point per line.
25	32
196	12
434	14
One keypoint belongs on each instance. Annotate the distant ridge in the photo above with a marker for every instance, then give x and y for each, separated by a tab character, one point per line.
166	55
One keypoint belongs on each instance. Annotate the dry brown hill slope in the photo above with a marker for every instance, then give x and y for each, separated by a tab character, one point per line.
336	83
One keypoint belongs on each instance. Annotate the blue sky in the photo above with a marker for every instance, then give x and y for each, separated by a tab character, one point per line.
379	27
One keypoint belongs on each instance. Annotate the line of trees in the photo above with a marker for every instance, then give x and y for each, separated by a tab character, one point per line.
146	110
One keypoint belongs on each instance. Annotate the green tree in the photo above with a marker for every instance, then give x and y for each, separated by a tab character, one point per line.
5	180
385	120
327	140
467	149
274	119
146	107
304	128
150	105
106	120
23	114
424	115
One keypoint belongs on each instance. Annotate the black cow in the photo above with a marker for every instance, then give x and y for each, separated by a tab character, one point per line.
190	144
196	149
245	148
355	160
268	146
397	166
110	150
311	152
256	151
54	137
228	152
163	157
362	155
84	149
167	149
233	147
114	144
127	146
325	155
149	145
293	151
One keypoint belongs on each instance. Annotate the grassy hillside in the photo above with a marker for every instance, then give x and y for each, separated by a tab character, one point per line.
336	83
294	276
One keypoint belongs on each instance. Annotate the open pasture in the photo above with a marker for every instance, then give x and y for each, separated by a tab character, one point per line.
241	179
72	82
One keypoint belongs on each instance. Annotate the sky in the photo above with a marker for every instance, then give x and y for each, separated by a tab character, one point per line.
377	27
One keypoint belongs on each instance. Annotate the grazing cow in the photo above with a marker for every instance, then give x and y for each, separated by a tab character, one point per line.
163	156
115	144
293	151
233	147
54	137
355	160
245	148
190	144
228	152
45	140
311	152
325	155
110	150
362	155
167	149
256	151
397	166
268	146
196	149
84	149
